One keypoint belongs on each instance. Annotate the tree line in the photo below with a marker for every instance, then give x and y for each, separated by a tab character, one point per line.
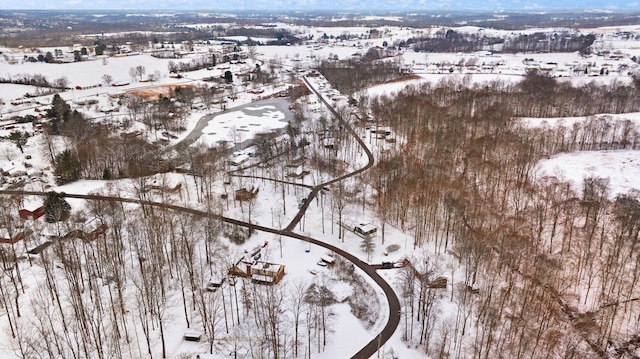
452	41
37	80
351	75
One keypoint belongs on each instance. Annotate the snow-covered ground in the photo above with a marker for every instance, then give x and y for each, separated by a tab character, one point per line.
622	168
242	124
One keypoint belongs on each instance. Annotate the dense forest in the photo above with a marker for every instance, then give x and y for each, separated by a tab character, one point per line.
549	272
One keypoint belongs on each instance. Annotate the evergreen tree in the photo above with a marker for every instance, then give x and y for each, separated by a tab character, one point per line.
67	167
228	76
19	138
56	208
106	174
368	245
59	112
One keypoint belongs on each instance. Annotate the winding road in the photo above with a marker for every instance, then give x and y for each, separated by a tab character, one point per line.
393	318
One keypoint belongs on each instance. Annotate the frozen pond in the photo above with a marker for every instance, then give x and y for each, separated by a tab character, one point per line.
241	123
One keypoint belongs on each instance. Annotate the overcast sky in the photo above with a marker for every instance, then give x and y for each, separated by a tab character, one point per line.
217	5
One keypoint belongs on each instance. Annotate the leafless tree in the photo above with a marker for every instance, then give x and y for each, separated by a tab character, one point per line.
108	79
297	305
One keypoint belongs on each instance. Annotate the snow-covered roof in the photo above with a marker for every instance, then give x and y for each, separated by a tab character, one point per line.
328	259
366	227
239	159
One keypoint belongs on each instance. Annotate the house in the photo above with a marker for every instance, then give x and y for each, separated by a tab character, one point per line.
16	171
298	172
259	272
365	230
86	236
7	238
439	282
244	194
100	230
31	212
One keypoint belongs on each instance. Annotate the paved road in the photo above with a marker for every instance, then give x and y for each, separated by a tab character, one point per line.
345	125
394	303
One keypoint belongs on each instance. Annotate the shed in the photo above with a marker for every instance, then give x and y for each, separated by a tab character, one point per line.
328	259
238	160
192	335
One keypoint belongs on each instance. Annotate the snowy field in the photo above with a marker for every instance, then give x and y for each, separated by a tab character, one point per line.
242	124
622	168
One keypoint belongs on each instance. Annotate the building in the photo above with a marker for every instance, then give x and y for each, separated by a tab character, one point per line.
31	212
365	230
244	194
6	238
86	236
239	159
259	272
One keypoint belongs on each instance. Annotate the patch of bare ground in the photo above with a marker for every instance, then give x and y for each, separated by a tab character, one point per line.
400	79
156	91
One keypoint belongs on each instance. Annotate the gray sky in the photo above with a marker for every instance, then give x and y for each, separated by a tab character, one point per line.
213	5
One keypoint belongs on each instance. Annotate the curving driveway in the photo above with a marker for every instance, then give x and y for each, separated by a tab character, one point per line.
394	303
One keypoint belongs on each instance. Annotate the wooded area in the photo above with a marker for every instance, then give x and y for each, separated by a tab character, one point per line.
548	272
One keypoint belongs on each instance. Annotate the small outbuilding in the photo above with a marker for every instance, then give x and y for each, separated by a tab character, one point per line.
192	335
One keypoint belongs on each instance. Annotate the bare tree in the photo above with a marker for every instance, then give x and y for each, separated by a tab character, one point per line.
296	304
140	70
108	79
